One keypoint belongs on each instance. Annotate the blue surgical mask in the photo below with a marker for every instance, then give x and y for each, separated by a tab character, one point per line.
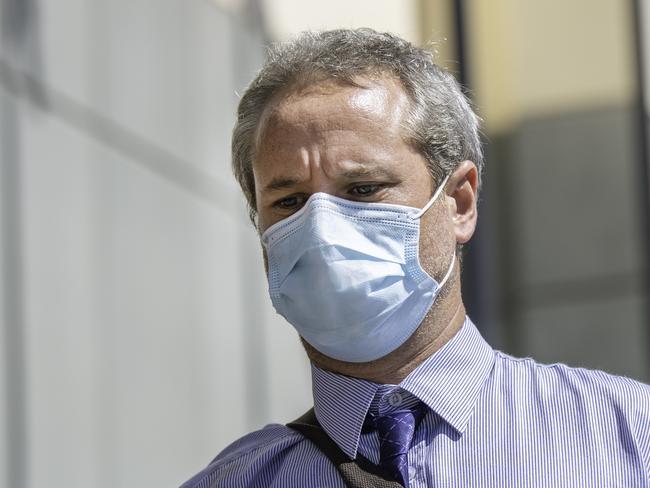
347	275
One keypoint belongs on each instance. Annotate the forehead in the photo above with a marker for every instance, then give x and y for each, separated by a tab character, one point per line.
309	110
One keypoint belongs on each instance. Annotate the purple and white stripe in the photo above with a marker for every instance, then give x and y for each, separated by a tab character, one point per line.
494	421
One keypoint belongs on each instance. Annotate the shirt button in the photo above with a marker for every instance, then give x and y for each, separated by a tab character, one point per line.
412	473
395	399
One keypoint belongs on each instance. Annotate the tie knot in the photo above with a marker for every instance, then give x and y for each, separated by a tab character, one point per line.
395	430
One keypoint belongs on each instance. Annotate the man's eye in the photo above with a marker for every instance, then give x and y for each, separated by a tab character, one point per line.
288	203
365	190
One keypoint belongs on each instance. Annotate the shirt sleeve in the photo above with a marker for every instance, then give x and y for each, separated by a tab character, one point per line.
641	424
252	460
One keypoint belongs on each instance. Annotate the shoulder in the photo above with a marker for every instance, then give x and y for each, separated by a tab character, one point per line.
253	460
599	402
555	378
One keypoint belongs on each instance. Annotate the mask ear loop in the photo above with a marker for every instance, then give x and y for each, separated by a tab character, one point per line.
433	198
451	268
421	213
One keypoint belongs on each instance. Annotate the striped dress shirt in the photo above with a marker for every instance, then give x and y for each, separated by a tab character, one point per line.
494	421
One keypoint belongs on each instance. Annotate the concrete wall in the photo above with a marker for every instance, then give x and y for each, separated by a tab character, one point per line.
569	240
288	17
149	343
555	82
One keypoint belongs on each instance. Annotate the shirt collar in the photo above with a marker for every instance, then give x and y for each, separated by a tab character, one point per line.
448	382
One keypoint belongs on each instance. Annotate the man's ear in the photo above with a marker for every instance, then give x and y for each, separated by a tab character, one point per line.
462	194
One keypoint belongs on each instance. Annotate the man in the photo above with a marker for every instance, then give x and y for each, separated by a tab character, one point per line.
361	163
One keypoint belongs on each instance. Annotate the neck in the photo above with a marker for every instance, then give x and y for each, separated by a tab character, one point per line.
442	322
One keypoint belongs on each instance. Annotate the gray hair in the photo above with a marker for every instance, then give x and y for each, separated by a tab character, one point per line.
441	123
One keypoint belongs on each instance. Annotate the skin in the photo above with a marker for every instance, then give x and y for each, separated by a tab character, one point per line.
348	141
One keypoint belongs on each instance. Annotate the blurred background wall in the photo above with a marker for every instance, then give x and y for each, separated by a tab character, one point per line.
137	339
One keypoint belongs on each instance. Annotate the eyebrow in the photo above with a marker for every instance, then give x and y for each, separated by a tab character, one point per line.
283	183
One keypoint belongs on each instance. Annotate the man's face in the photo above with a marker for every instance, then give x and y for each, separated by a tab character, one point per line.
348	142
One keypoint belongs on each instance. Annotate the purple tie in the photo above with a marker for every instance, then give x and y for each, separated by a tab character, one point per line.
395	430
